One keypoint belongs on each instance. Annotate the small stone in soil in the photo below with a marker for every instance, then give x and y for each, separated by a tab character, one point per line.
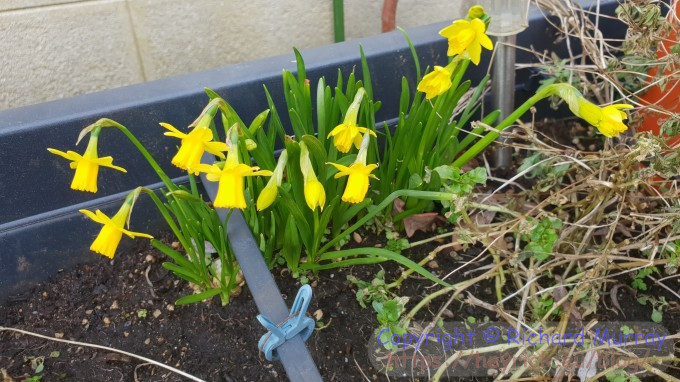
114	305
147	341
170	308
433	264
88	312
318	314
156	313
106	321
58	335
85	321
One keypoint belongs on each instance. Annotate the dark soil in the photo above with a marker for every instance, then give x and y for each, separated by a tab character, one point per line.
103	303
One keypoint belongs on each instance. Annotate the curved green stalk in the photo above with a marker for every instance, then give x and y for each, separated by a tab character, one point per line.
105	122
560	89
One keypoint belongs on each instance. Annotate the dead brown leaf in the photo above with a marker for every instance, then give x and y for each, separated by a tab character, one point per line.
426	222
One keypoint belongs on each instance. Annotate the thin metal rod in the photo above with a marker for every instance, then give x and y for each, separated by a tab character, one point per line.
503	91
294	355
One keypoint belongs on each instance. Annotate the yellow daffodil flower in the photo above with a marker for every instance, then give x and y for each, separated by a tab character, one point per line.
315	195
193	145
437	82
348	133
271	190
608	120
110	235
467	36
230	189
358	172
87	165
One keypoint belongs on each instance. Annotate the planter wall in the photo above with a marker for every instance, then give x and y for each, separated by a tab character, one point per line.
41	230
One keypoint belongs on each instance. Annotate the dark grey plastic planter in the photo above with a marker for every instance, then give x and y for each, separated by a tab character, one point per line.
41	230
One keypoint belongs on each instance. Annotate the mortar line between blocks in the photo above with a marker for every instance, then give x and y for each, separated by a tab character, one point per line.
138	51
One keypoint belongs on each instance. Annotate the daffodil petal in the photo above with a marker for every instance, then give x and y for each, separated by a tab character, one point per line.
216	148
93	216
108	162
133	234
343	170
70	155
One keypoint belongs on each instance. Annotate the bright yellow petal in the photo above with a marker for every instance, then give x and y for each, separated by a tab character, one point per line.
93	216
133	234
363	130
485	41
173	131
475	52
70	155
108	162
261	173
342	170
216	148
454	28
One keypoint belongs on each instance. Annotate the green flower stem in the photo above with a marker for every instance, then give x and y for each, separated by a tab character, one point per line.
105	122
491	136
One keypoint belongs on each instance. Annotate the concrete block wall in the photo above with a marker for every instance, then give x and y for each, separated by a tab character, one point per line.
53	49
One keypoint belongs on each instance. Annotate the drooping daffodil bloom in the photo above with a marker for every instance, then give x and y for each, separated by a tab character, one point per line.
467	37
271	190
194	144
358	174
608	119
87	165
231	176
315	195
348	133
113	228
437	82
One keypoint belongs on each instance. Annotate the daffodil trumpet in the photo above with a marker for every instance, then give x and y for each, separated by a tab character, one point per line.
86	166
231	175
358	174
348	133
271	190
194	144
113	228
315	195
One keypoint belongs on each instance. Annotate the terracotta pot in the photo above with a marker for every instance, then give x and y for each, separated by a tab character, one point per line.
668	98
